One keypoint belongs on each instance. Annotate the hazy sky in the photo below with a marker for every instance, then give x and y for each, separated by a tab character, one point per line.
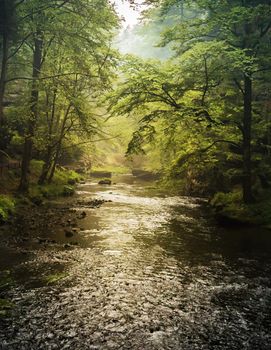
125	10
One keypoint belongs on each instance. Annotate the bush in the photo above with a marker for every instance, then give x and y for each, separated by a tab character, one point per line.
222	199
68	191
230	206
7	207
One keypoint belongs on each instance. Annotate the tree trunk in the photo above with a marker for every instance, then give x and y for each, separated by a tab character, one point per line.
59	144
28	144
4	65
46	166
247	120
50	148
53	168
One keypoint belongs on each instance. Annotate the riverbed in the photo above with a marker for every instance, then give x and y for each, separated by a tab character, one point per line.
138	270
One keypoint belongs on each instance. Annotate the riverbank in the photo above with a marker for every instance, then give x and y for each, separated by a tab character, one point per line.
63	184
229	209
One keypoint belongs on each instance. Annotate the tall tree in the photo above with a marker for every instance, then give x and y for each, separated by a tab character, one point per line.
86	44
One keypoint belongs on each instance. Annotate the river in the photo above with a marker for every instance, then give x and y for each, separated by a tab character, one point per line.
142	271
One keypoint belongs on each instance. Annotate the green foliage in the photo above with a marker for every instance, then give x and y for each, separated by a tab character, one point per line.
52	100
7	207
195	107
59	187
230	206
68	191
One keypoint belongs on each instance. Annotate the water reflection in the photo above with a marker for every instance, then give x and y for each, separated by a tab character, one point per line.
149	272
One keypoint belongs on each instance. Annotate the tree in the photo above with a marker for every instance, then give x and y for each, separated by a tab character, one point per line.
221	51
245	27
86	43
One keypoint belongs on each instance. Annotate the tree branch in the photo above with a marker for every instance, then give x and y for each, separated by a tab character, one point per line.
51	77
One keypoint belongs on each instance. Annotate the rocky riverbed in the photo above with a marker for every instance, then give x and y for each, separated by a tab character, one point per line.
126	267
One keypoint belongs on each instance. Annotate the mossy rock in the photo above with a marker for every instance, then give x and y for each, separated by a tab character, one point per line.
105	182
68	191
71	182
37	200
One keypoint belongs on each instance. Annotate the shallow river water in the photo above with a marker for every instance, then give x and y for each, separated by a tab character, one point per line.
143	271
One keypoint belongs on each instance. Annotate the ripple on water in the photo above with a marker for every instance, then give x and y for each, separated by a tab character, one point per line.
153	274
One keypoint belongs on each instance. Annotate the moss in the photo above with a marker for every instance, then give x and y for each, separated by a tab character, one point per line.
7	207
54	278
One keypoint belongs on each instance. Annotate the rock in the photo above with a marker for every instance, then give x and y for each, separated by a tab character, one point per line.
100	174
71	182
42	240
68	233
105	182
37	200
82	215
67	246
68	191
80	170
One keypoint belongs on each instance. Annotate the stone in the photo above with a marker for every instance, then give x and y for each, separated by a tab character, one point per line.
68	233
105	182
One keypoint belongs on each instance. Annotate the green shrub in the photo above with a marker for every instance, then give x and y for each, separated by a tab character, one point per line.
230	205
222	199
68	191
7	207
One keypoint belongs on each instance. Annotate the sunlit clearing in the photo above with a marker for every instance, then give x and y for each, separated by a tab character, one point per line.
129	14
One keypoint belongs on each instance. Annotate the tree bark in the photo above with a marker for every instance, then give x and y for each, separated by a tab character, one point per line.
28	143
59	144
53	168
46	166
5	22
4	65
247	120
50	148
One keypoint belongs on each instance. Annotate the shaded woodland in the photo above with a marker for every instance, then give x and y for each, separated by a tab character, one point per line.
198	102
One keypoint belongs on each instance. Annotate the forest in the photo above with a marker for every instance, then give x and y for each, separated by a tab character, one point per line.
199	104
135	174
